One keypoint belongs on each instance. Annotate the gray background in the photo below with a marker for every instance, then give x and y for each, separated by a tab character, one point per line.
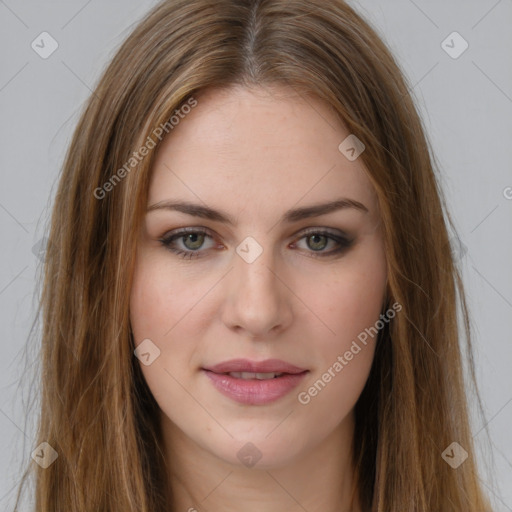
467	107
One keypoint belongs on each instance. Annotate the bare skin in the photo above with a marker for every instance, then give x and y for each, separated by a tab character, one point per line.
254	156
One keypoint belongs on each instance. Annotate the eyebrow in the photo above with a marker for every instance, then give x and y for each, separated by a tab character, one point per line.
293	215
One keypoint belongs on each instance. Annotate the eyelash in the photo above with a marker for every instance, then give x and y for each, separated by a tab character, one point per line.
342	242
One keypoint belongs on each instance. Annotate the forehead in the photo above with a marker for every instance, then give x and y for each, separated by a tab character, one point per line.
257	148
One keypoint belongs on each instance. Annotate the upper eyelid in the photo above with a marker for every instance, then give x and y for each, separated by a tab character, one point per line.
303	232
338	237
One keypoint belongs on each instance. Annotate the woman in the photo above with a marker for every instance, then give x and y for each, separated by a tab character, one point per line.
249	301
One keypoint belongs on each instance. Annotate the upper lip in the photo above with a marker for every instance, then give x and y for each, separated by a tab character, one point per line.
246	365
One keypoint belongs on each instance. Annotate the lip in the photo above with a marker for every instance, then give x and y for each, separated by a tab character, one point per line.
255	391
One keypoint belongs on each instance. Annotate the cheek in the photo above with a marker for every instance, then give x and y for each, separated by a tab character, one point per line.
353	297
346	355
146	302
159	299
155	310
351	302
166	307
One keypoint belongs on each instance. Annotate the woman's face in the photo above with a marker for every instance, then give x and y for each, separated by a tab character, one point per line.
267	272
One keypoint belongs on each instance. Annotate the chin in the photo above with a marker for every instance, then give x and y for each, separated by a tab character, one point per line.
259	450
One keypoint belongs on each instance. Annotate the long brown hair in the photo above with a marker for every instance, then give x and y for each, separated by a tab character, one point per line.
97	412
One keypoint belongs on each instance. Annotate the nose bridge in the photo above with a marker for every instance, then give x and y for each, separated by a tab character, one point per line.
257	298
255	269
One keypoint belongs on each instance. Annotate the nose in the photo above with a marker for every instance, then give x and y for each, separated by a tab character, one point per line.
257	301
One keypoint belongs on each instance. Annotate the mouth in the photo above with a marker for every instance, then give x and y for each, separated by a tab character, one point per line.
257	376
246	366
255	383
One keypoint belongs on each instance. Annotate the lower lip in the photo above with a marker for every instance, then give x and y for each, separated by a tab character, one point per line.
253	391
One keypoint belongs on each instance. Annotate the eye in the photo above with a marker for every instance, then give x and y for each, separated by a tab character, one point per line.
192	241
317	240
